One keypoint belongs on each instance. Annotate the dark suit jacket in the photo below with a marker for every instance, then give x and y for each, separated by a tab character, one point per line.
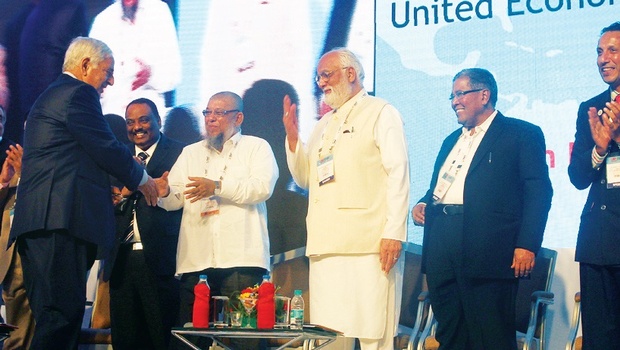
69	150
599	232
159	229
507	197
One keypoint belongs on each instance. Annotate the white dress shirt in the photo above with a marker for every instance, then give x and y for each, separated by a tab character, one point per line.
236	236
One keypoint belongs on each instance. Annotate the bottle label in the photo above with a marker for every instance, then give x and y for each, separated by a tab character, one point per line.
297	316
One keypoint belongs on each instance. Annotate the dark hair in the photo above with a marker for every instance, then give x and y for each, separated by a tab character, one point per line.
614	27
145	101
480	78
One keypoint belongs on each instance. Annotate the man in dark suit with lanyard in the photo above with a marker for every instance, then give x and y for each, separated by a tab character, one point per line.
64	214
144	293
594	163
484	216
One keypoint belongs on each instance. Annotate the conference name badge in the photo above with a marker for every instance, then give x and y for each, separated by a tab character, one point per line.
613	171
210	206
325	169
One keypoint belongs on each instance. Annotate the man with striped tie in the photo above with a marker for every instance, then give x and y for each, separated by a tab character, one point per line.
595	163
144	294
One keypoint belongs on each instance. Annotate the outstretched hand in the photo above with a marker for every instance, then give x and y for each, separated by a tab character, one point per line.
291	123
163	188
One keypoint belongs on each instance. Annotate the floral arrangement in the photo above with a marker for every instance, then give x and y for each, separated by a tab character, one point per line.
245	300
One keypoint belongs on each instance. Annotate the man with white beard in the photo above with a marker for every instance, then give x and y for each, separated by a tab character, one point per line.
355	166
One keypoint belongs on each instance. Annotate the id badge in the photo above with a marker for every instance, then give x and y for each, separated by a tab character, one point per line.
442	186
613	171
325	169
210	206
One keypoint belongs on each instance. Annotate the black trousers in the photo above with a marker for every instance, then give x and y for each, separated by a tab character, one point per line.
143	305
600	306
221	282
55	266
471	313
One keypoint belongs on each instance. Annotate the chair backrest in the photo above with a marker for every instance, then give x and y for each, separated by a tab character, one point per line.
289	271
413	284
540	279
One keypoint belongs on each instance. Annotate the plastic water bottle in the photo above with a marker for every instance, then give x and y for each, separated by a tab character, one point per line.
297	310
265	305
202	296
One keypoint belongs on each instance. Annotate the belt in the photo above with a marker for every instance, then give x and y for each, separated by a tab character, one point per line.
449	209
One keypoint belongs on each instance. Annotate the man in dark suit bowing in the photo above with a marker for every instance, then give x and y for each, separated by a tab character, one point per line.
594	163
144	294
64	214
484	216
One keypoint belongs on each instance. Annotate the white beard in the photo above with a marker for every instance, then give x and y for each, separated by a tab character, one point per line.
340	94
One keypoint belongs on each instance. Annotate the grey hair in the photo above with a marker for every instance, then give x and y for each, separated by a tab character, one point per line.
83	47
348	59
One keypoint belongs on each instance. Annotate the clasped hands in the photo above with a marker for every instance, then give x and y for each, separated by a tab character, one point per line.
605	125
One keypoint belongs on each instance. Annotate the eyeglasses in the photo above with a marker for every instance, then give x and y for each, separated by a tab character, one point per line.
326	75
460	94
208	112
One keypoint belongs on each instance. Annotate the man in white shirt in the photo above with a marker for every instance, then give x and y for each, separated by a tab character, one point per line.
142	35
222	184
356	169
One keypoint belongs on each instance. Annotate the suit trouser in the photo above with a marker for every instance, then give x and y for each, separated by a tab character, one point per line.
222	282
600	306
18	311
55	266
471	313
143	305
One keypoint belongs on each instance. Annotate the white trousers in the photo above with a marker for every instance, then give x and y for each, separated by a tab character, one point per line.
351	294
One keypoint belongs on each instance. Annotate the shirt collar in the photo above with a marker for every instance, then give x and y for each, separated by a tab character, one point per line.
352	101
150	150
482	127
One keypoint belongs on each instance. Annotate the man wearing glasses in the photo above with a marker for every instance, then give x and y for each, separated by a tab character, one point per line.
356	170
484	216
222	184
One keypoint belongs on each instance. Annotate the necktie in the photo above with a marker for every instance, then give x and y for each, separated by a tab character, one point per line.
143	156
128	233
617	99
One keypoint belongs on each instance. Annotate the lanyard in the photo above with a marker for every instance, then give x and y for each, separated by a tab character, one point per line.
223	172
339	131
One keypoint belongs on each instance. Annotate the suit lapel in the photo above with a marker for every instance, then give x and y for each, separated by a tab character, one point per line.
158	157
488	141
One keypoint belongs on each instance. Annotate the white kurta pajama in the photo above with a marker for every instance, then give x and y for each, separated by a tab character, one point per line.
347	218
237	236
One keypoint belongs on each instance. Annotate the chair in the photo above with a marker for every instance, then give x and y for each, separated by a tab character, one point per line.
415	305
533	297
574	342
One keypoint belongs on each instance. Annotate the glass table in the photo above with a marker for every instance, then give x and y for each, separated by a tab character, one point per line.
308	335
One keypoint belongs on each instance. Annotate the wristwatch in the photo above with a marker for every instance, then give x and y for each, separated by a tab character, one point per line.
218	188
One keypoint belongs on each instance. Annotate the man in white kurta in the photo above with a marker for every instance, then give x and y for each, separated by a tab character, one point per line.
355	167
142	35
222	184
